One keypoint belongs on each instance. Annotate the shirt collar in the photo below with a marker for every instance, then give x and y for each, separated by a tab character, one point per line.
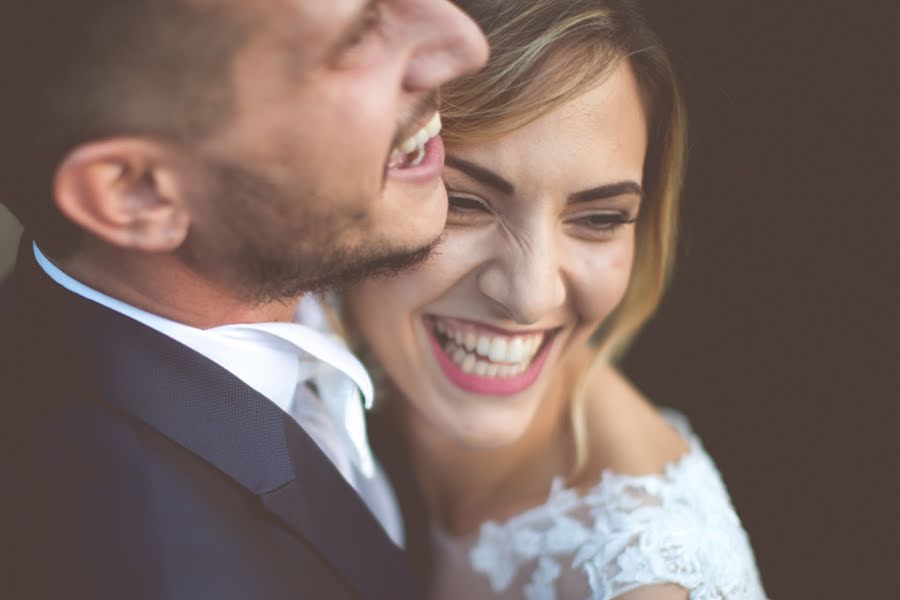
263	355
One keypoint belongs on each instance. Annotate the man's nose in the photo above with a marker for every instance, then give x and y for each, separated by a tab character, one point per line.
526	285
449	45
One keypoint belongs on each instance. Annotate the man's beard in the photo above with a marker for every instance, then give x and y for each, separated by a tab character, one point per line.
265	258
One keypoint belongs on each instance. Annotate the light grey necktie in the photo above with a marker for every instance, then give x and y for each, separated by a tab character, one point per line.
340	379
311	413
333	414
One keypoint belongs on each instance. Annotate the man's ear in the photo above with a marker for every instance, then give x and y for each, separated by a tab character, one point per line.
127	192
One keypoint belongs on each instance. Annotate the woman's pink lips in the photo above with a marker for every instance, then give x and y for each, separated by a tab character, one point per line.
489	386
428	171
486	326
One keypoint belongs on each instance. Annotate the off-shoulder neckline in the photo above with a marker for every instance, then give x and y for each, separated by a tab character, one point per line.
609	478
560	497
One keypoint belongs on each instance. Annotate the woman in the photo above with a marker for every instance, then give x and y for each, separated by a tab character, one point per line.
546	473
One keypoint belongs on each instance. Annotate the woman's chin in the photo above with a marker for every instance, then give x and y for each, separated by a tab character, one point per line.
476	421
487	433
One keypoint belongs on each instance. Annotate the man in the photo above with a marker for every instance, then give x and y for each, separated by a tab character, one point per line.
186	171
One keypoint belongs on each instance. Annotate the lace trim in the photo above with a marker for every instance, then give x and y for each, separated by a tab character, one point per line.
626	532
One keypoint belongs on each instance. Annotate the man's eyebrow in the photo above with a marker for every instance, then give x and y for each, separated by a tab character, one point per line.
352	29
610	190
481	174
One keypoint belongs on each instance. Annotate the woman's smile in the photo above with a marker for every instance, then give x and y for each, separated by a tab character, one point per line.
484	359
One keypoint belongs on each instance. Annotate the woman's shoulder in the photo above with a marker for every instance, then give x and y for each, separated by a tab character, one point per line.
675	525
653	513
627	433
679	486
675	528
646	463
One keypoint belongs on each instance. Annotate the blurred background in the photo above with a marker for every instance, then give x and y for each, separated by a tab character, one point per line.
779	337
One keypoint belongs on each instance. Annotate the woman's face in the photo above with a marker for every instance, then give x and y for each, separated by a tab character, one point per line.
538	252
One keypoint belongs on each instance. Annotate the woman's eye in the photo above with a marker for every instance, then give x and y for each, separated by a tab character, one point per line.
602	224
605	219
463	209
461	202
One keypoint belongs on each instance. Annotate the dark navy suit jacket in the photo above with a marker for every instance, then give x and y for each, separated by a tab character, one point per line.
135	468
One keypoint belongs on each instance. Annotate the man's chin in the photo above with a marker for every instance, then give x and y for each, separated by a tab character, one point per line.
411	215
384	264
279	279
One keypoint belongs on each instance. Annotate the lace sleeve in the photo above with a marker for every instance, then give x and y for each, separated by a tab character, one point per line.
656	533
627	532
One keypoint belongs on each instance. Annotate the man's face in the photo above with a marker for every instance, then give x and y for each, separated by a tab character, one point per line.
324	93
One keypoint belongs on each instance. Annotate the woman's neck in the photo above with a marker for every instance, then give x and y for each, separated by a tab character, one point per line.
464	486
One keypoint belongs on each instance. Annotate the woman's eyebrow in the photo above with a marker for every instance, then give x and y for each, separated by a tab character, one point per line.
609	190
489	178
481	174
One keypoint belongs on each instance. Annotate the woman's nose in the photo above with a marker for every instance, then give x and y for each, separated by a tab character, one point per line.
526	285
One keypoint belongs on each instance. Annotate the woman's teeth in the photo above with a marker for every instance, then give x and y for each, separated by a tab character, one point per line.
411	152
487	354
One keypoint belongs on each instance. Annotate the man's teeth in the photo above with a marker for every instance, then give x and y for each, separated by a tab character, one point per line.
488	354
416	142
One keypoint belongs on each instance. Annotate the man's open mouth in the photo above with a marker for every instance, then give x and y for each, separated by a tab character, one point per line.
411	152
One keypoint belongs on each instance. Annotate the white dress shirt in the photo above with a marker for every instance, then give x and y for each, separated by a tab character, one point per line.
278	360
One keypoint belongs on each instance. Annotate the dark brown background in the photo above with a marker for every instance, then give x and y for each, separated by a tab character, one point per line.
779	337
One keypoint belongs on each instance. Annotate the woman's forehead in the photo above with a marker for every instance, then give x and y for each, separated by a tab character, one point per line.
599	135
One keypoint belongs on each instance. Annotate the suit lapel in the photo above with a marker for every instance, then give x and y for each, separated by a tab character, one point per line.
339	524
211	413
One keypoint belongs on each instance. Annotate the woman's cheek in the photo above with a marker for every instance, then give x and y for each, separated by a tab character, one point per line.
453	259
600	280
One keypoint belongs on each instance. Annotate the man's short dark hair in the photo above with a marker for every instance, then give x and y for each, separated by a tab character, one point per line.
81	70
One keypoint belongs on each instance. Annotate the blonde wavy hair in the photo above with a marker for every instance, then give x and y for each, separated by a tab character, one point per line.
545	53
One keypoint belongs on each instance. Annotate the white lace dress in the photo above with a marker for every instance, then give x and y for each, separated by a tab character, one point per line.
625	533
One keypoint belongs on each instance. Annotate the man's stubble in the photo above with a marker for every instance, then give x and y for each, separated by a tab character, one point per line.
267	251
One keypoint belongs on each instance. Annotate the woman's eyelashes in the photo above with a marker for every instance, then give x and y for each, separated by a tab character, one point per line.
463	202
600	225
465	209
